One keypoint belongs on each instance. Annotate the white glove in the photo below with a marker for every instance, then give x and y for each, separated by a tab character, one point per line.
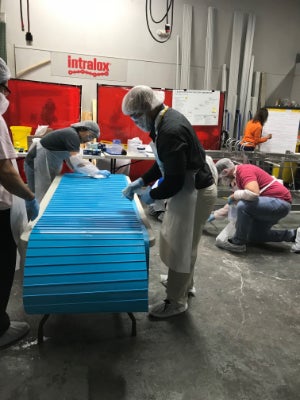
102	173
132	188
83	166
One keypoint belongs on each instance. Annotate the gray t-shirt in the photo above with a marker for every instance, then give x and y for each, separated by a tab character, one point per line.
66	139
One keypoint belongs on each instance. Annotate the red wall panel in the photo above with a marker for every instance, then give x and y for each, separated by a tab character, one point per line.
41	103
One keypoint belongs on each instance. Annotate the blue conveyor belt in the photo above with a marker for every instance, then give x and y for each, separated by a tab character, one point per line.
89	251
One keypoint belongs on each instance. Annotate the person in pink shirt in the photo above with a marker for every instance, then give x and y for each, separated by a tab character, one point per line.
262	201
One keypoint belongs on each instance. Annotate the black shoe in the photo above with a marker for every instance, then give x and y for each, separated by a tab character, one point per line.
15	332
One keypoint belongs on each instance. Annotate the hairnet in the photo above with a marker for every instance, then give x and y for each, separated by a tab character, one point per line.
4	71
224	164
88	125
141	99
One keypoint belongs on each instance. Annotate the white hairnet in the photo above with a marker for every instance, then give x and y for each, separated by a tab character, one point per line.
88	125
224	163
141	99
4	71
212	167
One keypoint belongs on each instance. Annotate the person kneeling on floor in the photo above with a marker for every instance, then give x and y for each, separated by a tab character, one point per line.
262	201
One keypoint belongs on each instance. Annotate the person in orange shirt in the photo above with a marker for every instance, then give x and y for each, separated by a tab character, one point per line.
253	131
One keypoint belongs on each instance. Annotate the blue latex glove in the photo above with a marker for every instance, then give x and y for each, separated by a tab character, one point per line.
132	188
211	218
230	200
145	196
32	208
103	172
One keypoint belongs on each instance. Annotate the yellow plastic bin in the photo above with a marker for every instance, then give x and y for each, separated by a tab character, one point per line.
19	135
288	171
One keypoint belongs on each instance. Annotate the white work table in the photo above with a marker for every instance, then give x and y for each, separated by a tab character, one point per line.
138	156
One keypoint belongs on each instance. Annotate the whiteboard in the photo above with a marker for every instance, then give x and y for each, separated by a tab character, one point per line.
283	124
200	107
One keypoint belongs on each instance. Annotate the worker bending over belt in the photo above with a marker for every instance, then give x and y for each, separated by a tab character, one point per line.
45	158
188	186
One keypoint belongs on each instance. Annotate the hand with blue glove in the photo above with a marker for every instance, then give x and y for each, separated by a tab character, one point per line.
230	200
211	218
145	196
32	208
132	188
104	173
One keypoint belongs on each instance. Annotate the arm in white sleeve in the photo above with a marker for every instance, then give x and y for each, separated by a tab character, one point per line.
83	166
245	195
221	213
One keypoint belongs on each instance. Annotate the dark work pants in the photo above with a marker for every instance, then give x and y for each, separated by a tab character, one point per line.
246	148
8	252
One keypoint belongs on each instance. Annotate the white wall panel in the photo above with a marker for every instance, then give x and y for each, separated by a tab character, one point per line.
117	28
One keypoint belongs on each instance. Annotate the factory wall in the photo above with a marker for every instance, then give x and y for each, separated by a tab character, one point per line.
118	29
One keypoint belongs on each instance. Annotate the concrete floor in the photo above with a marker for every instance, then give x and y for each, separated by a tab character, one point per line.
239	339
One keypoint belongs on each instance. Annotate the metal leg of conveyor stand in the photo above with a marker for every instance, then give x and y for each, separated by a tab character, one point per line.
41	328
133	325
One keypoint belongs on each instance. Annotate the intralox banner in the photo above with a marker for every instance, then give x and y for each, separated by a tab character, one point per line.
90	67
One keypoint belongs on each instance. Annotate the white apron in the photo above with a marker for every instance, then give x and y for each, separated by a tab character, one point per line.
176	235
183	223
18	223
47	165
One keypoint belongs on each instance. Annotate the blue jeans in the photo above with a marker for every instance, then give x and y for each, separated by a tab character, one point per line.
256	218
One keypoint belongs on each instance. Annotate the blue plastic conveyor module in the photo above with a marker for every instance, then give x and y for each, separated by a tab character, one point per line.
88	252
